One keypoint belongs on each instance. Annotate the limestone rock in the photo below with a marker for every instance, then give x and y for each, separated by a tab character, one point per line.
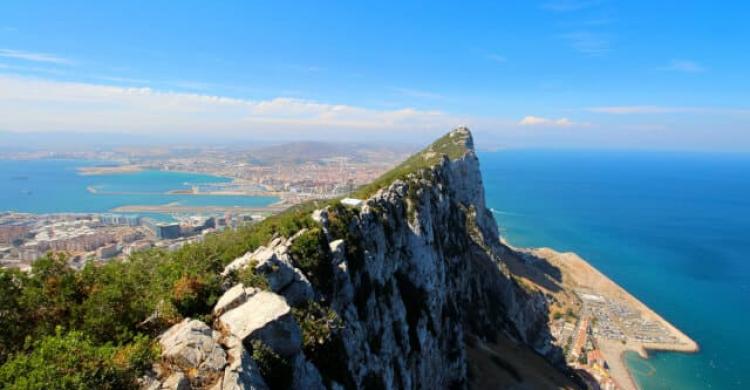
192	347
305	375
176	381
275	266
239	262
299	291
242	372
232	298
267	317
191	344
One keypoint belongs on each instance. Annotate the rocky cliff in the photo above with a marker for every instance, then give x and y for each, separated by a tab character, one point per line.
407	289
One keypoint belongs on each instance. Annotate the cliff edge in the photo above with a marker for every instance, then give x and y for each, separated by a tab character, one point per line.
402	286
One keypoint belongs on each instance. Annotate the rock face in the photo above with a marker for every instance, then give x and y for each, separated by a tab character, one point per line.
424	269
191	346
196	356
415	271
266	317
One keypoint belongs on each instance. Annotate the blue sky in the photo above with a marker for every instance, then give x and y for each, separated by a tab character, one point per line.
556	73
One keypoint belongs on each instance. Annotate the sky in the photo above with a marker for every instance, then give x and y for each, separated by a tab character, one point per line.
670	75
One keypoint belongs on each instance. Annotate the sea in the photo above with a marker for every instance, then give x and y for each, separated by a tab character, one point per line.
671	228
55	186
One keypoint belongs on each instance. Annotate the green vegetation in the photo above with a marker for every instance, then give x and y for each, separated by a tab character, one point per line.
451	147
250	278
318	326
73	361
310	253
95	328
120	305
276	371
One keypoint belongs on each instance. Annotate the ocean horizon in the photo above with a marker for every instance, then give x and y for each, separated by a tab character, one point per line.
671	228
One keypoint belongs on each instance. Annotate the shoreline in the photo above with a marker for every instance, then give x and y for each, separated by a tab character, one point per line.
576	273
612	350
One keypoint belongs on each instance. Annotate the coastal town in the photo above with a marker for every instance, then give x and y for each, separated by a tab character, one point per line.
595	322
292	172
25	237
314	170
604	320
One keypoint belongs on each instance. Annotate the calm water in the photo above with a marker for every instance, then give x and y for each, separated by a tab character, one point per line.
51	186
673	229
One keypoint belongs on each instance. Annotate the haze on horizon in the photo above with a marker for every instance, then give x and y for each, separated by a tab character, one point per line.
552	73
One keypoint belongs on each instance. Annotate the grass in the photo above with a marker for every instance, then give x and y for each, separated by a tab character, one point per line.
451	145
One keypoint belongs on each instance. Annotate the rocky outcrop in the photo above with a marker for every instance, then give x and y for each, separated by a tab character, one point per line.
274	264
232	298
196	356
242	372
266	317
419	270
192	347
411	275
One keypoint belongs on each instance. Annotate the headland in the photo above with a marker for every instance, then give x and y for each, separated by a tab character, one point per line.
594	319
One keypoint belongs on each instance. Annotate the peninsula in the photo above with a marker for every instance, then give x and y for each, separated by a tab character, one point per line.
592	318
403	283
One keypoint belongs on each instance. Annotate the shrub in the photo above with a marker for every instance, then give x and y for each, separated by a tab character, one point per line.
248	277
69	361
276	371
322	342
310	253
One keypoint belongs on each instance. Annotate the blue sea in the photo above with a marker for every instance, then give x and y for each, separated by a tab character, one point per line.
671	228
54	186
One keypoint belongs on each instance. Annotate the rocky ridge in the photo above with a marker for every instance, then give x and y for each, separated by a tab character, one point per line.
386	295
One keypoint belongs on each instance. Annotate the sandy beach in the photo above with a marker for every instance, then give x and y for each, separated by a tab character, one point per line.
575	274
581	275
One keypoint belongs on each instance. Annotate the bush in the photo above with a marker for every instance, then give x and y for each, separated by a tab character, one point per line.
249	278
71	361
276	371
322	342
310	253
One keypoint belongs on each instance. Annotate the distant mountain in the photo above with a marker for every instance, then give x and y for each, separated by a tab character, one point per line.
298	152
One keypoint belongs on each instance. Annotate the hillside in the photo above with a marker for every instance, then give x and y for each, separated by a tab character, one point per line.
410	290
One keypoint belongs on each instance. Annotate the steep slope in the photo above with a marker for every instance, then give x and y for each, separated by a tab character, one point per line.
407	290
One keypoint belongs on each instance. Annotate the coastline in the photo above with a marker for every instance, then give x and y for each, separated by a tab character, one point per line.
576	273
109	170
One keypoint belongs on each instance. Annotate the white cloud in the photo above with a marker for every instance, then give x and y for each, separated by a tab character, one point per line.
538	121
628	110
28	104
684	66
34	57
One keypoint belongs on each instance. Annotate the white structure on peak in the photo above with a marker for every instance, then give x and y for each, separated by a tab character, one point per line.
352	202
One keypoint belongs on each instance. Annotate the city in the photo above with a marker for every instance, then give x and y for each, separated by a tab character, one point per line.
101	237
312	171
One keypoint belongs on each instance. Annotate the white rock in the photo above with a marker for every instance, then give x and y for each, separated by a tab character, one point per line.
191	344
176	381
267	317
242	372
232	298
275	267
